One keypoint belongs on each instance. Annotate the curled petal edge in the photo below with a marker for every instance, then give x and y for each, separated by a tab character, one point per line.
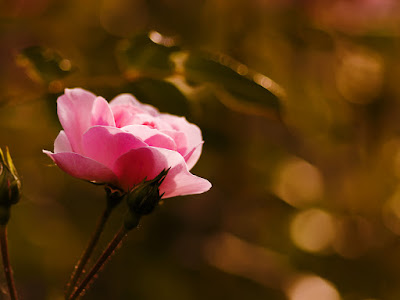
82	167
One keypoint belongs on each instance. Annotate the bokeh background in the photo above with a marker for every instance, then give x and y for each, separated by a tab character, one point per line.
299	104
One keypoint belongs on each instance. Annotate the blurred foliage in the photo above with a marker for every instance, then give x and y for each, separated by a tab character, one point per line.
299	106
233	77
43	64
141	56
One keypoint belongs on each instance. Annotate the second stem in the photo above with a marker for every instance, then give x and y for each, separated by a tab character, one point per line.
122	233
71	285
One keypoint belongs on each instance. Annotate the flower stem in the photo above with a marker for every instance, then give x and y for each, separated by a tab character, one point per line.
118	238
78	270
6	263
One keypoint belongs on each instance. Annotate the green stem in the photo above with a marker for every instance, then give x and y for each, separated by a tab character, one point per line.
6	263
118	238
71	285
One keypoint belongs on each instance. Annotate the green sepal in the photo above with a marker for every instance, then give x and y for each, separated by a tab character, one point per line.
145	197
10	184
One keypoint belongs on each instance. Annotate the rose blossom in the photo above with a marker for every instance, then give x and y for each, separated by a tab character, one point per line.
123	142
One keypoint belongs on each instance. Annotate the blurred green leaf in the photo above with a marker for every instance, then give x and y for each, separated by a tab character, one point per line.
44	64
152	55
162	94
147	54
242	89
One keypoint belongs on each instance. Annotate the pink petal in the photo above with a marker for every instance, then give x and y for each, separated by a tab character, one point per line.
192	131
129	100
151	137
179	139
193	156
62	144
101	113
192	134
74	110
180	182
82	167
138	164
122	115
106	144
149	121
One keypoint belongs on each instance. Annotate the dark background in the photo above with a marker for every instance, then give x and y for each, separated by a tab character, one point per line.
305	203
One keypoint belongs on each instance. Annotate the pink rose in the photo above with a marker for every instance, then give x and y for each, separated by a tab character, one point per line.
123	142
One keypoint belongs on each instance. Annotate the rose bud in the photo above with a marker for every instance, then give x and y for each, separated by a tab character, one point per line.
145	197
10	186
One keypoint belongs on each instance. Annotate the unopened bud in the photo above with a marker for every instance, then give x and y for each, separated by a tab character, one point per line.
143	199
10	186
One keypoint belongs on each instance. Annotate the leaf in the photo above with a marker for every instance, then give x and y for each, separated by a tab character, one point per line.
162	94
147	55
236	86
44	64
155	56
